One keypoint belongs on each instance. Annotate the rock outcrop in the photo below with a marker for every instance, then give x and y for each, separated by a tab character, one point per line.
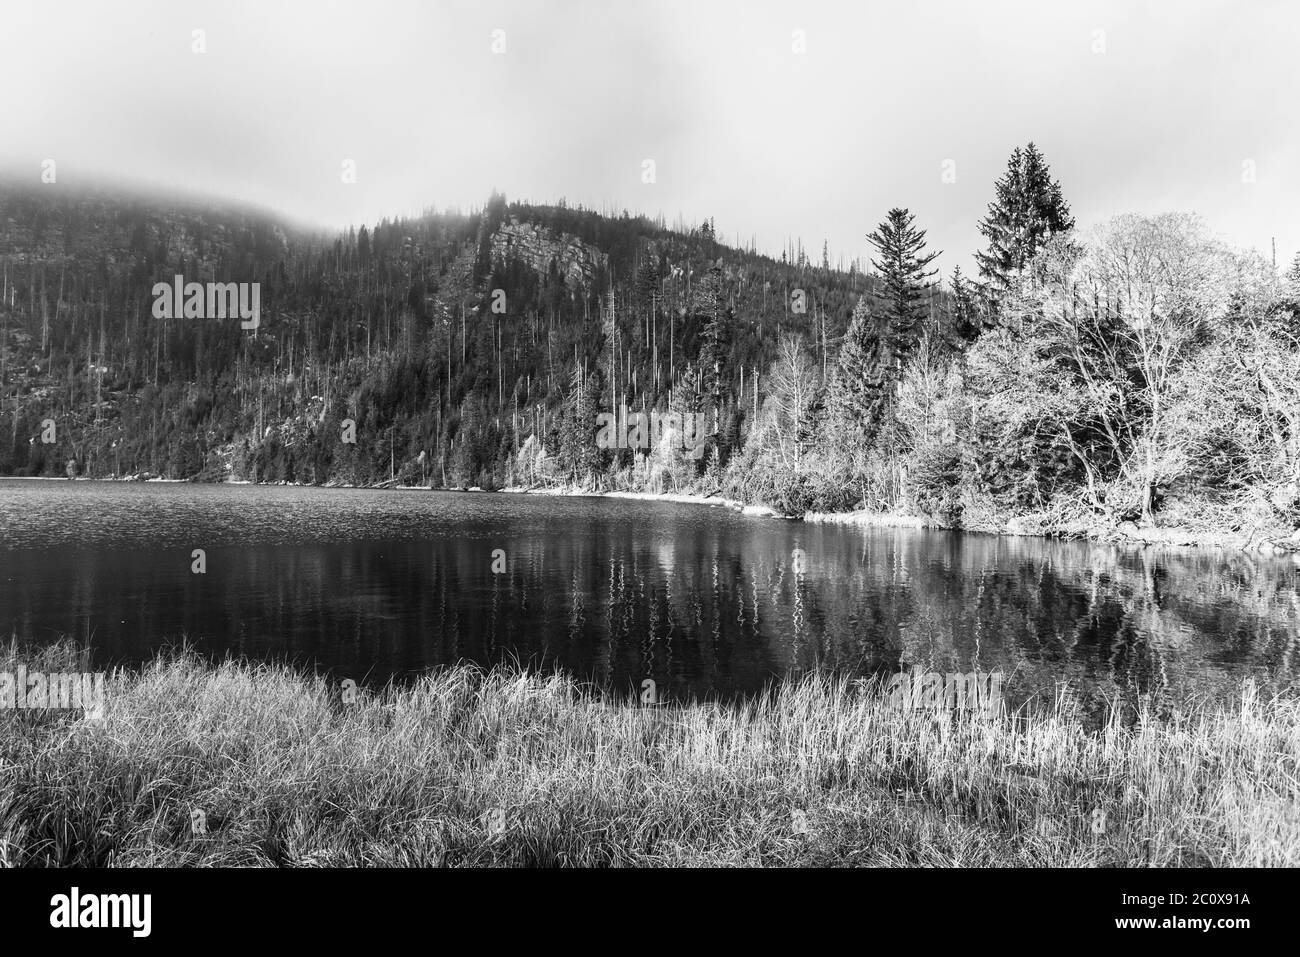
538	246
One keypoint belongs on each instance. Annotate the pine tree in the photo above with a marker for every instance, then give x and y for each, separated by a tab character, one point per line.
715	355
859	385
647	282
578	454
709	305
967	321
1028	209
901	266
713	470
363	247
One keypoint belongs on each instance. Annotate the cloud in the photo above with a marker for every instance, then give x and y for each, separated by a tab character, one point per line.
770	141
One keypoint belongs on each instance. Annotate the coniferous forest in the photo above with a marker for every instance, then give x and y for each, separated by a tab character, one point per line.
1132	373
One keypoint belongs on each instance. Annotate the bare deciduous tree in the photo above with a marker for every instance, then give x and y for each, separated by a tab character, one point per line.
793	382
1127	312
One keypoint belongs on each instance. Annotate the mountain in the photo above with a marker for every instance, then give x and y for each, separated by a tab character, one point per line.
432	350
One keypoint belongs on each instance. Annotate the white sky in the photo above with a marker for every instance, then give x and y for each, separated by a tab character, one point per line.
769	142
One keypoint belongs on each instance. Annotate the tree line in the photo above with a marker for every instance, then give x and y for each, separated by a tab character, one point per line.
1139	370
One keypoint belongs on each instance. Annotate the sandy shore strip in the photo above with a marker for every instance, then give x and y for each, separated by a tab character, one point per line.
679	498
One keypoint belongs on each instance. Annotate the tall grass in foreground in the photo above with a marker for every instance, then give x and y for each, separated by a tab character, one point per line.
287	774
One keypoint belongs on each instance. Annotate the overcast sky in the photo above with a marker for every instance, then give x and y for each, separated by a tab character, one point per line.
1138	107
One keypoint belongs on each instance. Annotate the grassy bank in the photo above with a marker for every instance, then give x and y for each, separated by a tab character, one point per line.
1277	543
286	773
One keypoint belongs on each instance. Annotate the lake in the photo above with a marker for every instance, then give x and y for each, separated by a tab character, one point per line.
711	604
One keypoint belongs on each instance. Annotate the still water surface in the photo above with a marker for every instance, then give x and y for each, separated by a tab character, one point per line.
707	602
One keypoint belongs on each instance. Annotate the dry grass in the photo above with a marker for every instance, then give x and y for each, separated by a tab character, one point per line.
287	774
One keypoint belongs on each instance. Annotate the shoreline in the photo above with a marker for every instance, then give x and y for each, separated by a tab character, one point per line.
677	498
1127	534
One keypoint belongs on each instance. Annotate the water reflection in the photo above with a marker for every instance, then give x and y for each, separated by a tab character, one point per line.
704	601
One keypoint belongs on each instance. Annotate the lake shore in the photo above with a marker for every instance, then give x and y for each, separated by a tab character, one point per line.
242	764
679	498
1125	534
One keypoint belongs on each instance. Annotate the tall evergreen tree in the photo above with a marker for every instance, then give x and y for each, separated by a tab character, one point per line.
966	316
709	305
1027	210
858	387
902	266
647	283
578	454
363	247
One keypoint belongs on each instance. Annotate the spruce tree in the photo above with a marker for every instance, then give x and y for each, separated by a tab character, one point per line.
859	384
966	317
902	270
647	283
1027	210
578	453
710	308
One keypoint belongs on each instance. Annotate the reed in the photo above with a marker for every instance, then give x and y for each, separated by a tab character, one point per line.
464	767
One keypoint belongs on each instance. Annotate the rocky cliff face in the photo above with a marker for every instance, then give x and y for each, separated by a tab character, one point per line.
538	246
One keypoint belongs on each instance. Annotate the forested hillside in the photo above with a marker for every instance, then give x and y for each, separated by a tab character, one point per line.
1138	371
449	340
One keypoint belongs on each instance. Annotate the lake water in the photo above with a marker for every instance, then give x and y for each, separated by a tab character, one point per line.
709	603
